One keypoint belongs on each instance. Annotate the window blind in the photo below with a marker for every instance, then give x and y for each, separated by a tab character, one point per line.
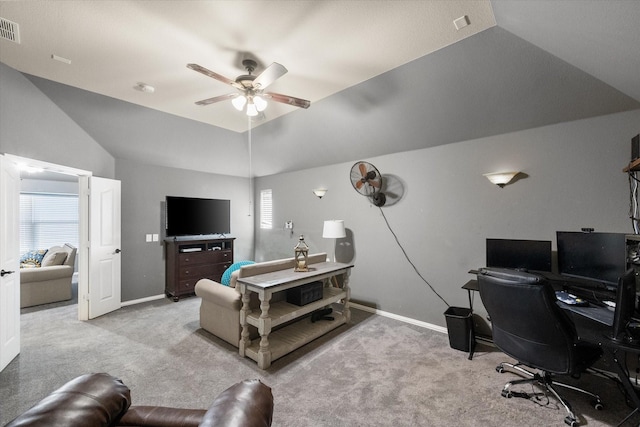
266	209
48	220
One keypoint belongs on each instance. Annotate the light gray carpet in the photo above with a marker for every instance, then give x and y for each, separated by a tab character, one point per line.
374	372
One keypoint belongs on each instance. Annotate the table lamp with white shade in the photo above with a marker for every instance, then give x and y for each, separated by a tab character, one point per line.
334	229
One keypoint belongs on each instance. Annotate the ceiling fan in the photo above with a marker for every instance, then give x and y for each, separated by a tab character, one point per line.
366	179
250	95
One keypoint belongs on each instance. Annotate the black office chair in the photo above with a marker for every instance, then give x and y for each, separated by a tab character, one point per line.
529	326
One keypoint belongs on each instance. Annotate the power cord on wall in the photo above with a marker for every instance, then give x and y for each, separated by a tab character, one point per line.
409	260
634	213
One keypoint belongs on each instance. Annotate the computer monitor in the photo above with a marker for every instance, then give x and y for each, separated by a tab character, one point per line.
598	257
625	304
520	254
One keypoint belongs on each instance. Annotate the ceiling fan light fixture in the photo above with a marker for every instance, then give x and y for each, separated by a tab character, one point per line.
260	103
238	102
252	111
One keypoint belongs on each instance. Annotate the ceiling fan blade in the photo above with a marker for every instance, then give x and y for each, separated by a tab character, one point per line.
209	73
286	99
217	99
272	73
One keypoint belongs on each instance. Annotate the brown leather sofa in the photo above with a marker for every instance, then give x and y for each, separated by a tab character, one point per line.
103	400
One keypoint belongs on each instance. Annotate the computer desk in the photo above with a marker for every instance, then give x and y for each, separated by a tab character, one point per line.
594	324
591	328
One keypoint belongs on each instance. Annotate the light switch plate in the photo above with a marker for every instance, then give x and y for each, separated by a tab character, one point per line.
148	238
154	237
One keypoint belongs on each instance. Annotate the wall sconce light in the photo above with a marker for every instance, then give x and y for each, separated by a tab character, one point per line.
500	178
319	192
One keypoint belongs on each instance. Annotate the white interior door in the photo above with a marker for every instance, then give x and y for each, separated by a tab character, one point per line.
104	260
9	262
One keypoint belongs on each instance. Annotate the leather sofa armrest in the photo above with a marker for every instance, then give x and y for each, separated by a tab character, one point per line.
218	293
88	400
160	416
248	404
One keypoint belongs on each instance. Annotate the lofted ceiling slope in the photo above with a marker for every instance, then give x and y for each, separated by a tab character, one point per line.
372	70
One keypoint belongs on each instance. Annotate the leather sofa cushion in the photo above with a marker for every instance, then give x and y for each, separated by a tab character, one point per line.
160	416
247	403
87	401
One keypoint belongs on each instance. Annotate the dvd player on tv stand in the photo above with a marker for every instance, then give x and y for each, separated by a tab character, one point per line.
191	250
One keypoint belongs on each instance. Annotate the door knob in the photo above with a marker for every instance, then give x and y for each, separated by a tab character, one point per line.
118	251
4	272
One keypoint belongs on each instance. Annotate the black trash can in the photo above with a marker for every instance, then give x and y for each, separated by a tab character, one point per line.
460	328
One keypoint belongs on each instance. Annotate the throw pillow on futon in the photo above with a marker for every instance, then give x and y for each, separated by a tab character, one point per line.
54	258
32	258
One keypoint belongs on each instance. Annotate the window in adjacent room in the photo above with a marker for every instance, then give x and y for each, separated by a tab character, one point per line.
48	220
266	211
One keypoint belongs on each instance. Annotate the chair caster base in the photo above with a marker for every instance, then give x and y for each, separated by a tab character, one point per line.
570	421
507	394
597	405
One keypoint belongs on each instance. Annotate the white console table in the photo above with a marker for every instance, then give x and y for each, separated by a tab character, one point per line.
274	344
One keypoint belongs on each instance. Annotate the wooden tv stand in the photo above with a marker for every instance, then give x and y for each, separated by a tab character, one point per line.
189	259
273	345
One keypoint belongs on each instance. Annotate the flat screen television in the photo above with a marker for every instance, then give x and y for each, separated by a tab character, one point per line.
520	254
189	216
599	257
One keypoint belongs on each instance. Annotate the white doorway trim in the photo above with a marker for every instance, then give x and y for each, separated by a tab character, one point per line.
83	250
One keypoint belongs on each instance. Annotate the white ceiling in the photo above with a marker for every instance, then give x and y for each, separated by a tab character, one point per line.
327	46
369	68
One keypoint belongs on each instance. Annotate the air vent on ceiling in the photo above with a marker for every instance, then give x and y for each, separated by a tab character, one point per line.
9	31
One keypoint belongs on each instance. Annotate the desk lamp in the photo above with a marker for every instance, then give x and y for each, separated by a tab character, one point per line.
334	229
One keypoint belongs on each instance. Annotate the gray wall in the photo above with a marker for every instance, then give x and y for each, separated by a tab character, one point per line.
34	127
442	214
144	188
572	178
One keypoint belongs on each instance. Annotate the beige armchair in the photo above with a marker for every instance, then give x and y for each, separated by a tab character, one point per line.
220	305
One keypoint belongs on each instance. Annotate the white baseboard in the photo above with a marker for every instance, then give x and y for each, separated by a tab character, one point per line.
404	319
141	300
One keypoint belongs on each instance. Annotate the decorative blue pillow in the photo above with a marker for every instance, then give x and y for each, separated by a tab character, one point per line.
32	258
226	276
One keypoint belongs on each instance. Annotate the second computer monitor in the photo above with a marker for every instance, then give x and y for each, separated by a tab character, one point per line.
519	254
599	257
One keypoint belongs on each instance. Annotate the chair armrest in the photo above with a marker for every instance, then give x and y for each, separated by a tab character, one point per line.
88	400
248	403
160	416
218	293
